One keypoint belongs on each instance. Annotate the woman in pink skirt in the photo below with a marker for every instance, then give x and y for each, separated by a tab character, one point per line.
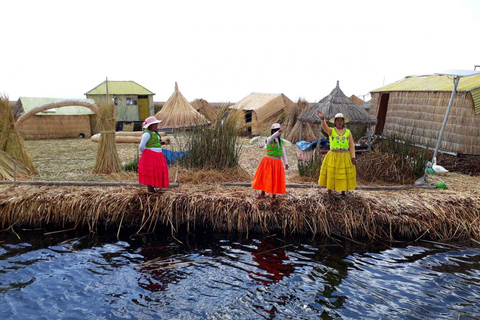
152	167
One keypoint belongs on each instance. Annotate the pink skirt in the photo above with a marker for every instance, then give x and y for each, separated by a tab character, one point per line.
153	169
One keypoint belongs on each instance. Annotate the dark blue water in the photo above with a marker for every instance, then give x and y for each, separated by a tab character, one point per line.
78	276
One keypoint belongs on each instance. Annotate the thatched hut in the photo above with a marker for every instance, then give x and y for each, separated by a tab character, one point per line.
132	101
261	109
337	102
177	113
205	108
415	107
56	123
356	100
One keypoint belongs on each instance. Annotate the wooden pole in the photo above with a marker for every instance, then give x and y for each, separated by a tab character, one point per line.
81	183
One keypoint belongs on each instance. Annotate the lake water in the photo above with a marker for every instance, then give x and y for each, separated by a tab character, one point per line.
83	276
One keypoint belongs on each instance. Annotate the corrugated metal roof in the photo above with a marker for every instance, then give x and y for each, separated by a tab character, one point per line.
120	87
431	83
31	103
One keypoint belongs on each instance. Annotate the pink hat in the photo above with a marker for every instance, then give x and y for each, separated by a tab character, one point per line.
276	126
150	120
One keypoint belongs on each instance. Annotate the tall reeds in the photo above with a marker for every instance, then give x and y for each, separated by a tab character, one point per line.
107	160
395	160
214	147
10	141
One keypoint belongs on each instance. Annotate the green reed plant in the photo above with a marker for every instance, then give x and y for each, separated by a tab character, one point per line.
214	147
310	169
402	146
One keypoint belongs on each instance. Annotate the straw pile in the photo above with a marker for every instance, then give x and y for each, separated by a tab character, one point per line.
10	141
432	215
107	160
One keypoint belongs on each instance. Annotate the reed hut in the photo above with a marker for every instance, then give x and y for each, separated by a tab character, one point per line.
206	109
337	102
55	123
177	113
132	101
415	107
356	100
261	109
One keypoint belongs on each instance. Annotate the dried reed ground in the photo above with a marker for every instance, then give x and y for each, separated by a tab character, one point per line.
435	214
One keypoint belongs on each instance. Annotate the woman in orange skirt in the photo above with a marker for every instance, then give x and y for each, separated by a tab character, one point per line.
270	174
152	167
338	170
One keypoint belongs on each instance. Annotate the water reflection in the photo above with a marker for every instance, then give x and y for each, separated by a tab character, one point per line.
218	277
271	259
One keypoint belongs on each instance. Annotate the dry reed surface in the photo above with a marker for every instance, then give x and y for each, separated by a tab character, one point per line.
202	202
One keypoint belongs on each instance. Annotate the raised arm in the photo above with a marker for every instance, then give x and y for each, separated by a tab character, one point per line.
325	126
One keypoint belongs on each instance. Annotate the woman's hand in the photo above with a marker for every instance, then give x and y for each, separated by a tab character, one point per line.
320	114
282	127
354	161
286	167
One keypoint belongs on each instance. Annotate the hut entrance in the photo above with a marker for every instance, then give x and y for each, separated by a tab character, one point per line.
248	119
143	107
382	113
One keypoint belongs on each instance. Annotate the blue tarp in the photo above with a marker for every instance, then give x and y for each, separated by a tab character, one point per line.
305	145
172	156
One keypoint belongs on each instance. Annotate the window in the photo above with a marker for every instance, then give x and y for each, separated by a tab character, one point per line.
131	101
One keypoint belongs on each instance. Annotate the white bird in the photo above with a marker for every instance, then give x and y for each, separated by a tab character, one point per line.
437	168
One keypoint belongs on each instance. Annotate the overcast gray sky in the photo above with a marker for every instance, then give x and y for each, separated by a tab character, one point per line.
222	50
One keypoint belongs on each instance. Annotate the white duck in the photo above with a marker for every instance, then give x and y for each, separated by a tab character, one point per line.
437	168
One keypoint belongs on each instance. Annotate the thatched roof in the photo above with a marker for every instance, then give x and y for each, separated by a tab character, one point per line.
205	108
367	105
264	105
356	99
334	103
177	113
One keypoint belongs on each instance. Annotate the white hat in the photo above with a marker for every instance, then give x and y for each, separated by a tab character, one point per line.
339	115
150	120
276	126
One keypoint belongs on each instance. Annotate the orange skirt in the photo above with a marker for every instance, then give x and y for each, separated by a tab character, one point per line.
153	169
270	176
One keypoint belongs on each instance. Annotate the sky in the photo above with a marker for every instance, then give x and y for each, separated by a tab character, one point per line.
222	50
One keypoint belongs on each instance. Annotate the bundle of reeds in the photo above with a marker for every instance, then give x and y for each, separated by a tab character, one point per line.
10	141
434	215
11	169
107	160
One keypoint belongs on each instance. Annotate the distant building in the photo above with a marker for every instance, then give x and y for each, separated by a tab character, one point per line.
415	108
132	101
55	123
262	109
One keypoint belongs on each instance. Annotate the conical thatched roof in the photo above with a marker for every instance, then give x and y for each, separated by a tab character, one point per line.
334	103
205	108
177	113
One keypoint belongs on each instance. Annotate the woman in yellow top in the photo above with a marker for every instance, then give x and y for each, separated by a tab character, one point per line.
338	170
